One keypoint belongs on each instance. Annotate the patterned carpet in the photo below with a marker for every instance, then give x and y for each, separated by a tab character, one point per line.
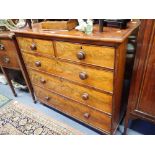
19	119
3	100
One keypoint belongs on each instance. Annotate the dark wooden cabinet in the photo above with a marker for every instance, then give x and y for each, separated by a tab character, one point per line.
141	103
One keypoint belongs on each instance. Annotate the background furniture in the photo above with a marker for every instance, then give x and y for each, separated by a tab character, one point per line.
141	103
80	75
9	59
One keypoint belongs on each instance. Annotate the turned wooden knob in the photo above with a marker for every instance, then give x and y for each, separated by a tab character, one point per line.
86	115
33	46
38	63
83	75
42	80
2	47
81	55
47	98
6	60
85	96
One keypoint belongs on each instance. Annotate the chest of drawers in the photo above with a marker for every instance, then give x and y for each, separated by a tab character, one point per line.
9	59
8	56
80	75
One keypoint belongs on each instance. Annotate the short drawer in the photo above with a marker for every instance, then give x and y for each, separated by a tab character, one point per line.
100	79
95	99
36	46
85	114
94	55
8	55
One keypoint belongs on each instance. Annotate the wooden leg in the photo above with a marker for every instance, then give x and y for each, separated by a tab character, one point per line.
5	72
126	124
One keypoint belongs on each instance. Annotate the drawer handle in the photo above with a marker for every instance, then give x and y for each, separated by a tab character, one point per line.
81	55
85	96
38	63
33	46
2	48
47	98
42	80
83	75
86	115
6	60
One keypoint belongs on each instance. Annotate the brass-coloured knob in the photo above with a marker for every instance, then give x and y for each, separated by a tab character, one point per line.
42	80
37	63
86	115
83	75
47	98
81	55
6	60
33	46
85	96
2	47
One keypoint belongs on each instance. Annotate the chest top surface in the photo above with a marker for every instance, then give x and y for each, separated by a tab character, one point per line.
6	35
109	34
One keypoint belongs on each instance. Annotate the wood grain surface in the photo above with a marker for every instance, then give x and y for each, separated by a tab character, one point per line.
94	55
97	78
8	57
79	111
42	46
97	100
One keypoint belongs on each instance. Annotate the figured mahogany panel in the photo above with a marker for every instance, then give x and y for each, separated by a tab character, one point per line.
36	46
95	55
85	114
100	79
97	100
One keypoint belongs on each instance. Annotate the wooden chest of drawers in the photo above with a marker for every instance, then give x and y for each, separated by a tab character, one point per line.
9	59
78	74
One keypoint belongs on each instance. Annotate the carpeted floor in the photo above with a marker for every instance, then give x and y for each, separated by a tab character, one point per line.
19	119
3	100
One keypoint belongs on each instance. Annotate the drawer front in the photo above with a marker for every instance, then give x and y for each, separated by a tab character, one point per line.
8	57
81	94
79	111
36	46
95	55
85	75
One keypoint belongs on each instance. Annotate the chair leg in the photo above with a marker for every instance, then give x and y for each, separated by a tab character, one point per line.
6	74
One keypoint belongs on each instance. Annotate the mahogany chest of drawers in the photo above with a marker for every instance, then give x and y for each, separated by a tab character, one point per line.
9	59
80	75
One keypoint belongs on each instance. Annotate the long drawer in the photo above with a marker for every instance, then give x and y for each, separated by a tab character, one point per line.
85	114
95	99
89	54
8	57
100	79
44	47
